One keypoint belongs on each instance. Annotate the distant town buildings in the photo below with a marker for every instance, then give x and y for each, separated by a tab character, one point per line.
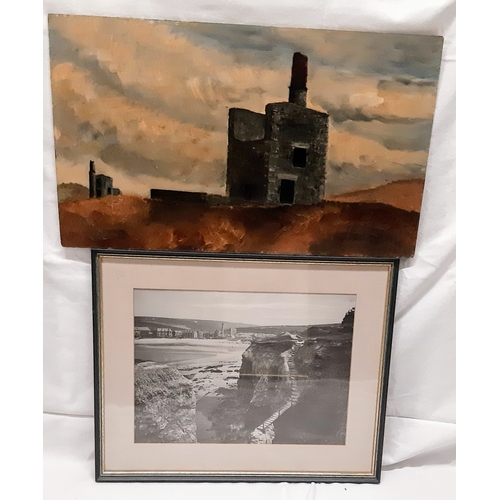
142	332
231	333
162	332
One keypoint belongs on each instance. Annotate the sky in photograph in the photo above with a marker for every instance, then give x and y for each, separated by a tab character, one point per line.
265	309
148	101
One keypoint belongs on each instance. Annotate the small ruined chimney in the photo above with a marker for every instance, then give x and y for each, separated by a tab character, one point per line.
92	184
298	89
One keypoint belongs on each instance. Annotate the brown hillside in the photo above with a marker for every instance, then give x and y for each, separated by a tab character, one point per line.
328	228
406	195
72	191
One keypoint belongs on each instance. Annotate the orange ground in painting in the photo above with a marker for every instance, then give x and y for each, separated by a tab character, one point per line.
406	195
329	228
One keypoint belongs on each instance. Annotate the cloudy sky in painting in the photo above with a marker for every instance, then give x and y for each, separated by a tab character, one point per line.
148	100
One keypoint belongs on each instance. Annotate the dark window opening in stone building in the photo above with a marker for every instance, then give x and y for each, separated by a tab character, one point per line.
299	157
109	190
287	191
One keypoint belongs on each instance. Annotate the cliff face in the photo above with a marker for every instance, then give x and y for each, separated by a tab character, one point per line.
291	389
264	383
325	358
296	390
165	405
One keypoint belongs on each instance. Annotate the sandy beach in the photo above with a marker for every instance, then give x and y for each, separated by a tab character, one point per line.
210	364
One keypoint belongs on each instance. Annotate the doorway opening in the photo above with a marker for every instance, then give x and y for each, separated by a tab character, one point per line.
287	191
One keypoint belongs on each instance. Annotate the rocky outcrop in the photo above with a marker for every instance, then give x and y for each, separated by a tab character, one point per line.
297	389
165	405
264	383
325	357
263	434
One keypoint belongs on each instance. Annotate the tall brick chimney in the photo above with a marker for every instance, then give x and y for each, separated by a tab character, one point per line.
298	89
92	186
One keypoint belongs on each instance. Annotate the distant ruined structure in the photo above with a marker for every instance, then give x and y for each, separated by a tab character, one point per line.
100	185
279	157
276	157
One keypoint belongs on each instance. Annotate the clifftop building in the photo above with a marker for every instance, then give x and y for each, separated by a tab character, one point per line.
279	156
100	185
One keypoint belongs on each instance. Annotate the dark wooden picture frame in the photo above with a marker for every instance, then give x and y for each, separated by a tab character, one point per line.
126	286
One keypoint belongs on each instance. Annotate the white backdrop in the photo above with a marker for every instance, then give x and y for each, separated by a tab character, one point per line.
419	447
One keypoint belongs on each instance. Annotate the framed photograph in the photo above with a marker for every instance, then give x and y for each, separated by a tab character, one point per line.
213	367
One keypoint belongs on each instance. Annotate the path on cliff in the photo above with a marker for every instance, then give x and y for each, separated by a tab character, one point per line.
289	356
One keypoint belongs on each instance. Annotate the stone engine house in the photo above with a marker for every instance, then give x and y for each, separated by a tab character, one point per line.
100	185
279	157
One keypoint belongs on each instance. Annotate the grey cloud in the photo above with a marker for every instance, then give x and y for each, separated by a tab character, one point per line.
406	84
396	135
62	50
343	113
247	44
170	167
414	56
87	132
409	81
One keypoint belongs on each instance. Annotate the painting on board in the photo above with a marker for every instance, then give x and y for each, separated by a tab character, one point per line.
240	139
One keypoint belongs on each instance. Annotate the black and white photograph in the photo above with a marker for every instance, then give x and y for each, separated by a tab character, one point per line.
241	367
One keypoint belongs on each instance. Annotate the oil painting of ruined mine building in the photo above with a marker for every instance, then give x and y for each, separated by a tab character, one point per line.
263	368
240	139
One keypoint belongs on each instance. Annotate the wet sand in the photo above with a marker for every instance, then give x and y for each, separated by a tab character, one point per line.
209	364
212	366
186	351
